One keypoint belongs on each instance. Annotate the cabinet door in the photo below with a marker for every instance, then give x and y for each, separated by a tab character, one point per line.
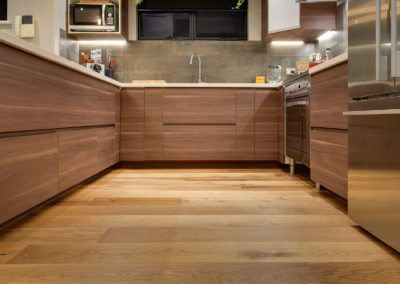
329	159
28	172
199	142
283	15
245	124
132	125
329	98
153	132
85	152
267	124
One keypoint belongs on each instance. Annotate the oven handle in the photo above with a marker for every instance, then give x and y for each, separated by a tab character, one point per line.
300	103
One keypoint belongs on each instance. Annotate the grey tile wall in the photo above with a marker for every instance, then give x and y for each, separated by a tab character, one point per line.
222	62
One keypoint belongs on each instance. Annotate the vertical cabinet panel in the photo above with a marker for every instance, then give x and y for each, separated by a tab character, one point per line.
329	159
153	133
245	124
266	124
28	172
132	125
85	152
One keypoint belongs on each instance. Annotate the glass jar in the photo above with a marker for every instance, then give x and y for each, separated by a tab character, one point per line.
274	73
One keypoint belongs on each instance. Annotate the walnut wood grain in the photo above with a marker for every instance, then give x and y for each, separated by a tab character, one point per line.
37	94
28	172
85	152
153	134
329	98
199	142
132	125
281	129
199	105
245	141
329	159
266	124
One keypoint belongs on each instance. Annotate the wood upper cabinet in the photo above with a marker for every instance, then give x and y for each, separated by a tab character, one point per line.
28	172
280	20
132	125
329	98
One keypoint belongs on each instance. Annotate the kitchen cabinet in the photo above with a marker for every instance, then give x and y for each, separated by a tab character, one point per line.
85	152
201	124
287	20
28	172
283	15
267	124
329	129
132	125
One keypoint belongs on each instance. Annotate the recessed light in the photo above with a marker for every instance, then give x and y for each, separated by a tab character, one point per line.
327	35
288	43
102	42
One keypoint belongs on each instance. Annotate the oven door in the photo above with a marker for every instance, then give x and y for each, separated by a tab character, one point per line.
297	132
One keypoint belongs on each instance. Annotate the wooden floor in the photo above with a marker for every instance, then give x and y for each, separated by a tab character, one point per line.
254	225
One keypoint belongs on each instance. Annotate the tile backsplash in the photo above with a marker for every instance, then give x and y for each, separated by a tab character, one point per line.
222	62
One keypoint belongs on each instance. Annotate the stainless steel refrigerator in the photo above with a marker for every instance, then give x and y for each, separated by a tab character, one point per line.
374	117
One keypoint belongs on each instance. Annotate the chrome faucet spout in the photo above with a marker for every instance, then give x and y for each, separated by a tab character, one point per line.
191	63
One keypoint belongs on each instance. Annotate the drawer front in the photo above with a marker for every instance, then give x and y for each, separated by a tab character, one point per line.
199	142
28	172
84	153
199	105
329	159
329	98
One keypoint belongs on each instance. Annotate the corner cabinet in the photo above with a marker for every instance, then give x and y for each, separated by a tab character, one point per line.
194	124
288	20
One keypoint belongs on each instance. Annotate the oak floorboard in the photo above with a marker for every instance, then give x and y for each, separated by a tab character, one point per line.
249	224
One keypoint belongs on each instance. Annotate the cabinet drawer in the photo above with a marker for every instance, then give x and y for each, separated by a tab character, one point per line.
329	98
84	153
199	105
28	172
199	142
329	159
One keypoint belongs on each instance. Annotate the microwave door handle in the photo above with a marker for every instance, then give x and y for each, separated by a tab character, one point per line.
103	15
393	16
378	66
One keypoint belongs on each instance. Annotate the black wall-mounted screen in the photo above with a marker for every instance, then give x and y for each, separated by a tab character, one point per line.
3	10
192	20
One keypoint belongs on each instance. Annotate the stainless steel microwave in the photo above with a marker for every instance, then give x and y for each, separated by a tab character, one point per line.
93	18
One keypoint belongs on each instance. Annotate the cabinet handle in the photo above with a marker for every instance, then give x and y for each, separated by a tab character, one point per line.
372	112
302	103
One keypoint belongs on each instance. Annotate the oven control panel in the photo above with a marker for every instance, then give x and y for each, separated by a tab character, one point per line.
298	87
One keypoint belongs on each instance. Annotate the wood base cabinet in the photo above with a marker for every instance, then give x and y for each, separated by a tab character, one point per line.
329	159
28	172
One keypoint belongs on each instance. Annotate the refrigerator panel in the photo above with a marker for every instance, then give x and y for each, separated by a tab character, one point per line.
374	168
396	40
370	48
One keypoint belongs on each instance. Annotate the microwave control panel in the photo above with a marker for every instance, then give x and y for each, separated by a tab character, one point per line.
109	14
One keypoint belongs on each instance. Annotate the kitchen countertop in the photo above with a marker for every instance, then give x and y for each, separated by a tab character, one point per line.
330	63
13	41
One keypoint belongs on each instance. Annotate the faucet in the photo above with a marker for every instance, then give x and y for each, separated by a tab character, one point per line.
191	63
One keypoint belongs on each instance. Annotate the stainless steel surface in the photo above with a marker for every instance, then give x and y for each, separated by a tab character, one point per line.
374	171
191	63
374	118
370	48
103	27
297	119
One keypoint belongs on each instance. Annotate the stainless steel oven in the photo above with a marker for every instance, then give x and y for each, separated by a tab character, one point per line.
297	120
